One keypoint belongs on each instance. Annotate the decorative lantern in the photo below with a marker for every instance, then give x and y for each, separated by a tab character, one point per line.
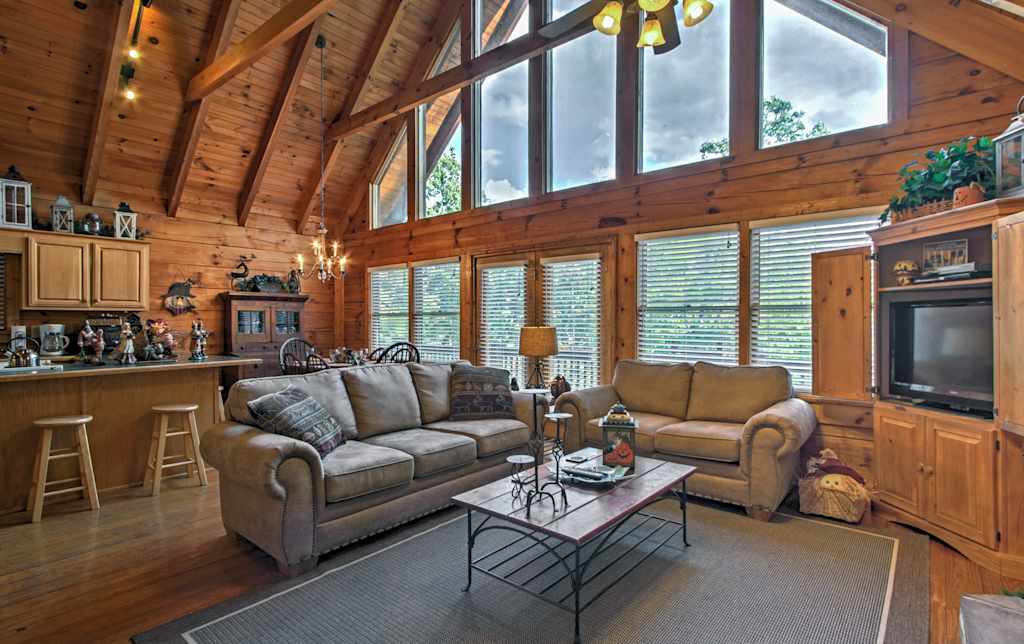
1010	157
16	200
619	432
124	222
62	215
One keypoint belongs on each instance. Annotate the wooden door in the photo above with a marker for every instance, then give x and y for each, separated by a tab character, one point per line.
841	327
961	479
120	276
900	458
1008	313
58	273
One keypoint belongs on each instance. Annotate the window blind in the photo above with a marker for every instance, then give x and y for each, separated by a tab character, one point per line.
502	314
389	306
3	293
780	287
435	311
572	304
688	297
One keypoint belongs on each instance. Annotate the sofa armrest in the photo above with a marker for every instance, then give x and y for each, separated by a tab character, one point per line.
524	408
584	404
793	421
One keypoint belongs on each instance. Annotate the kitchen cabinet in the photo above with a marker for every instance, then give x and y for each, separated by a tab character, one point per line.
120	275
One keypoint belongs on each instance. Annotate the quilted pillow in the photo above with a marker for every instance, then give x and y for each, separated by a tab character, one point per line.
479	393
294	413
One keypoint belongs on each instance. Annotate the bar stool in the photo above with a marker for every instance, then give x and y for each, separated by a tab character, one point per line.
85	478
192	459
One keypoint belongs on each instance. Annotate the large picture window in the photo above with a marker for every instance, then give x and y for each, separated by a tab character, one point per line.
435	311
688	296
806	94
389	306
780	286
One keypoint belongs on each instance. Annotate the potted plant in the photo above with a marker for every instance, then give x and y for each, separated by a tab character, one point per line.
967	164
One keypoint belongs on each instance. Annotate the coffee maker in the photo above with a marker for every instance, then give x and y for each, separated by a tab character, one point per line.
52	341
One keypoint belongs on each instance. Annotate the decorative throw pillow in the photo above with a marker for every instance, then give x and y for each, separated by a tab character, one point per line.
294	413
479	393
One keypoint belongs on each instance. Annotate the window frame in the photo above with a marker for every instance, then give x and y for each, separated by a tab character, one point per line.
408	138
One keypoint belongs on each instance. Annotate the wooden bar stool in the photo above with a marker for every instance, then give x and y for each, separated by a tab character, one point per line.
192	459
85	479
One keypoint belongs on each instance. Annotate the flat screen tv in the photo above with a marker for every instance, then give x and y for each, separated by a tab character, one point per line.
941	352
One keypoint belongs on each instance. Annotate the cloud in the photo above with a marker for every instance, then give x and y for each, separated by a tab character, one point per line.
490	157
502	190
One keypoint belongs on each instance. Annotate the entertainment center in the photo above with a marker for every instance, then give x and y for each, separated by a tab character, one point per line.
949	417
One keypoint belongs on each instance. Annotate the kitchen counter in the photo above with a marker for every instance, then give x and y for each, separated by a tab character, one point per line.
79	370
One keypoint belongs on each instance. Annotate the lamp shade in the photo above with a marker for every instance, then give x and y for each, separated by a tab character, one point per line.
538	341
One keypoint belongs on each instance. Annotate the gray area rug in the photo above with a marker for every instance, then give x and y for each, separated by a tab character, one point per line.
795	579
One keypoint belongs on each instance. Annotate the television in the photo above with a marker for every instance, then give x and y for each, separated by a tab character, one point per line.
939	350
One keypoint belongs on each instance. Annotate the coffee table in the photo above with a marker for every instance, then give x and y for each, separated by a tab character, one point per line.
594	514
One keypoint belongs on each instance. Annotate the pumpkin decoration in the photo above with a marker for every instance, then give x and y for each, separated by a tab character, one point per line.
905	270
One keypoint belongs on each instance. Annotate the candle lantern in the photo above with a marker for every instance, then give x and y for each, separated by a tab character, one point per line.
619	432
62	215
16	200
125	222
1010	157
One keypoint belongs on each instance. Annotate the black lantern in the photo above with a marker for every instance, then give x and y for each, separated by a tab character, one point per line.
619	432
1010	157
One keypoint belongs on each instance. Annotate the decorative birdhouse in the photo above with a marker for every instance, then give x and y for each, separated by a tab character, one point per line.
16	197
62	216
619	433
1010	157
125	222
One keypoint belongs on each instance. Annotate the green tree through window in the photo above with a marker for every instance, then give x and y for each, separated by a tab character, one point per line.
780	123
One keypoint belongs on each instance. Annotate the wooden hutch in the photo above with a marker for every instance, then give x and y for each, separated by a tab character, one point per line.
257	324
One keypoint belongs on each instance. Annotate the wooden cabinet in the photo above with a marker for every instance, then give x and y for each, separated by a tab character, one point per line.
78	273
899	458
257	324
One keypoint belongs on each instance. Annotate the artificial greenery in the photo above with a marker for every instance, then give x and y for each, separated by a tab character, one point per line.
1014	593
961	163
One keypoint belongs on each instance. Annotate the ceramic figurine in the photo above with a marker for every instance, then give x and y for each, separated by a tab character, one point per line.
126	345
199	340
160	343
905	270
90	341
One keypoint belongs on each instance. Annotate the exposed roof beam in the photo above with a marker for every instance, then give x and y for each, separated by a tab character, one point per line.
279	29
105	106
491	62
304	45
196	112
842	22
989	37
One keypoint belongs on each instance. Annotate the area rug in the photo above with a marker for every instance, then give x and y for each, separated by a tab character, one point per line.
795	579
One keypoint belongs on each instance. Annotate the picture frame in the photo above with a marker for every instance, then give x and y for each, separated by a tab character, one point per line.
952	252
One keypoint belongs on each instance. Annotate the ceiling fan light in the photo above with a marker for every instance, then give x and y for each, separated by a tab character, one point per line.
609	20
695	11
651	6
651	34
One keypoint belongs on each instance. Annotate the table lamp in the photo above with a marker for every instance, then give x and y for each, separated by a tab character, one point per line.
537	342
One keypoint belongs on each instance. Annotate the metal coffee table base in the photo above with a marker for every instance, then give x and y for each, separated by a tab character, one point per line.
575	567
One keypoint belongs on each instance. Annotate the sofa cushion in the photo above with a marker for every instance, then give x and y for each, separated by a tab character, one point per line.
355	469
646	426
656	388
325	387
701	439
432	451
734	394
433	384
480	392
492	436
383	397
293	413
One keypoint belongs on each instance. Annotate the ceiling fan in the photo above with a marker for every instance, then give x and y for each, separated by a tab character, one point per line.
660	30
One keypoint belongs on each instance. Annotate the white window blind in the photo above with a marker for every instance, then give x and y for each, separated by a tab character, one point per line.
435	311
688	297
572	304
3	293
389	306
502	314
780	287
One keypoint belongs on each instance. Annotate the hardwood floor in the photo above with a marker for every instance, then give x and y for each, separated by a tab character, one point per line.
140	562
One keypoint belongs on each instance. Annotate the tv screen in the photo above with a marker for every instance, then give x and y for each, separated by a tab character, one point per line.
942	351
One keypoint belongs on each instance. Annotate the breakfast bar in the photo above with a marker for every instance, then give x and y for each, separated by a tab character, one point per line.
118	397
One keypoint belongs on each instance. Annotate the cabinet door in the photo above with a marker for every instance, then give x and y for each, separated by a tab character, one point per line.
251	324
1008	313
961	474
120	277
58	274
899	459
287	322
841	323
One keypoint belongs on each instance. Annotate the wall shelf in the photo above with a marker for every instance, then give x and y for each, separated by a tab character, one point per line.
951	284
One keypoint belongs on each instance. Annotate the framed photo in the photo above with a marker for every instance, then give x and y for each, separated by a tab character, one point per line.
945	253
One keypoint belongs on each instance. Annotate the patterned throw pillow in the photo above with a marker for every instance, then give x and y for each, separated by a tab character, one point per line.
479	393
294	413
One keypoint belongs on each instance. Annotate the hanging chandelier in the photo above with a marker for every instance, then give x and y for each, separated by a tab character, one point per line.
660	29
326	266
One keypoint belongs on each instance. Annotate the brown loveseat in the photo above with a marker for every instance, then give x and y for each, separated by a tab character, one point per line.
740	426
408	459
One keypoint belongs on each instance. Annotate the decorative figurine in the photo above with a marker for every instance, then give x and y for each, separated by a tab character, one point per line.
905	270
294	281
178	298
240	273
90	341
160	341
619	433
125	350
125	222
62	215
560	386
199	340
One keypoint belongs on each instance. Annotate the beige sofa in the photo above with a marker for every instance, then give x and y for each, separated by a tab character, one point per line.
408	459
740	426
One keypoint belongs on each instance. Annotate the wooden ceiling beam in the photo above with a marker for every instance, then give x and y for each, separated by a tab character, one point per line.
279	29
304	45
109	82
196	112
486	64
982	34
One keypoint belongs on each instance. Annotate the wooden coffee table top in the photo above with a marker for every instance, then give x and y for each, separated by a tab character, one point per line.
591	510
